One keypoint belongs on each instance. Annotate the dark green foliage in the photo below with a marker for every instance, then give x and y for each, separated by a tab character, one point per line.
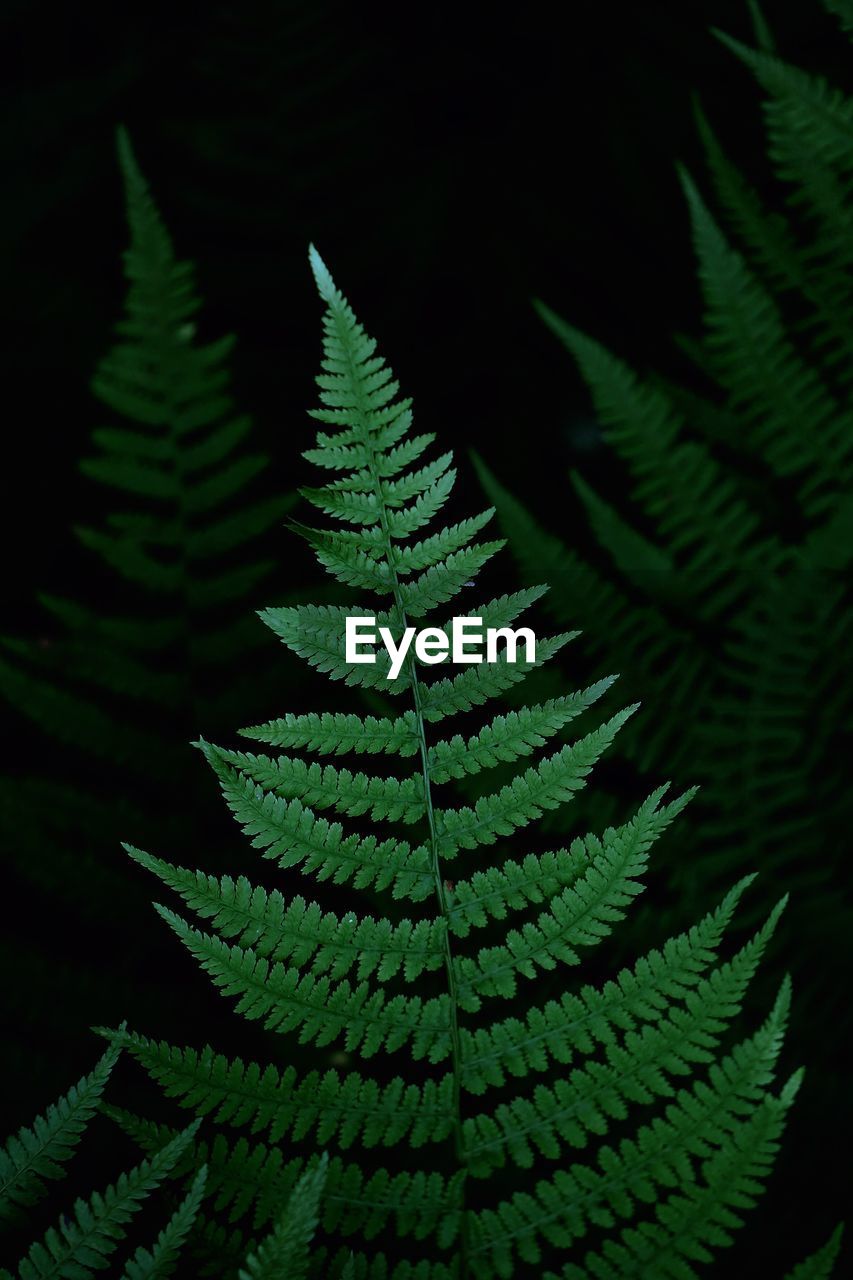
284	1253
119	693
617	1124
722	586
162	1257
819	1266
173	450
84	1243
843	9
36	1154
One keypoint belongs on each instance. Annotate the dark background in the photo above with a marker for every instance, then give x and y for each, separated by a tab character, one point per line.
450	164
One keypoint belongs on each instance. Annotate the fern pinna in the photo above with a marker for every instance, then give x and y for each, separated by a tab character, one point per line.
610	1131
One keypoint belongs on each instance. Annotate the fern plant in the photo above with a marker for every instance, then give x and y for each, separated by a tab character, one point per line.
84	1243
726	583
615	1130
116	695
175	454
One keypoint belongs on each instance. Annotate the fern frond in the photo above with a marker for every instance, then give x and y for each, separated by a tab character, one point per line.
283	1255
689	1223
177	451
301	932
695	506
639	1072
636	1071
293	835
513	885
35	1154
320	1010
725	578
509	736
551	783
766	234
161	1259
581	915
808	123
770	387
346	1107
661	1155
555	1032
172	452
388	799
332	733
85	1242
820	1265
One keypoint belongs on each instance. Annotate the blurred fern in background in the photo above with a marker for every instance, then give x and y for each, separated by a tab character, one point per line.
722	586
113	694
725	589
177	457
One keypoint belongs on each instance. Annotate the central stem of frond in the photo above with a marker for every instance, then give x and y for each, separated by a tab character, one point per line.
456	1045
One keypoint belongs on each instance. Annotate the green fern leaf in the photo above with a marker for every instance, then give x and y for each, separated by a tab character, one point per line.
337	734
819	1266
509	736
35	1155
161	1259
347	1107
302	932
688	1225
83	1244
698	1120
770	386
642	1095
843	9
283	1255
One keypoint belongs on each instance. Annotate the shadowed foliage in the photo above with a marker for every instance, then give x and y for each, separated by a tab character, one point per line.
112	695
722	586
